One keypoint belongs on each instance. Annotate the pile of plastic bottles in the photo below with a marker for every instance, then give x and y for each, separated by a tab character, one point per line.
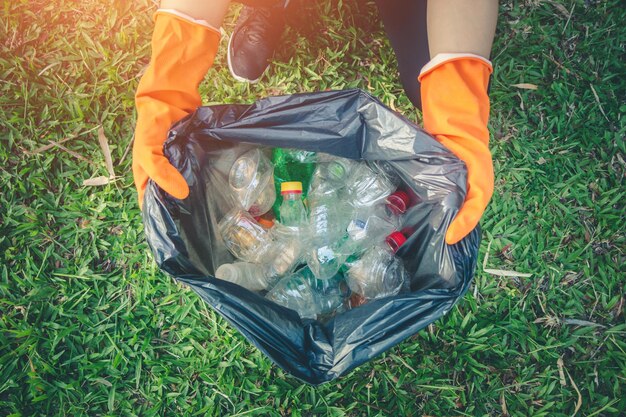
314	232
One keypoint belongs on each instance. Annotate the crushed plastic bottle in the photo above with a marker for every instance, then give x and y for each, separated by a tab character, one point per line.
309	297
246	274
279	257
299	155
325	261
283	256
370	225
330	176
378	272
251	178
328	216
326	250
370	184
243	236
327	220
397	203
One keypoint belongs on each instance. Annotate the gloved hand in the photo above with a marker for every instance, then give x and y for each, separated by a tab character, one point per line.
455	108
183	50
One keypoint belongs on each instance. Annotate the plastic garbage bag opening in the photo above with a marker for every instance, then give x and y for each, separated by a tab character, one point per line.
184	235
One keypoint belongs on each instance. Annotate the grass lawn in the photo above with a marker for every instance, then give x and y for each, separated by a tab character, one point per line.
89	326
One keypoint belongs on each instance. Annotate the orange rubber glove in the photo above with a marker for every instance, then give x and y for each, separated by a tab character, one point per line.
183	50
455	107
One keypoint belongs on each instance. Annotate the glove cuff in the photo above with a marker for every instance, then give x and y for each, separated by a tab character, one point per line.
187	18
441	59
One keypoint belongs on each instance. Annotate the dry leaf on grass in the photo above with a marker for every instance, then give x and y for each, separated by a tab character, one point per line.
595	95
502	272
560	8
526	86
108	162
104	145
102	180
560	365
104	382
71	152
576	322
579	403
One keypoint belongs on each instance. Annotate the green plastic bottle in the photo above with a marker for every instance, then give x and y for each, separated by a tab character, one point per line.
291	165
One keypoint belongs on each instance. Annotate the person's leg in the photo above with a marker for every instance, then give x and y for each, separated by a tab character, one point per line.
212	11
405	25
461	26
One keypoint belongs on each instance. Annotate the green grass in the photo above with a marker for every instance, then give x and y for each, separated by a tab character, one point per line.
89	326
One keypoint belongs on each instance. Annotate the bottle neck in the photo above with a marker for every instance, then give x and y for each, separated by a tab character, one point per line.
393	245
288	196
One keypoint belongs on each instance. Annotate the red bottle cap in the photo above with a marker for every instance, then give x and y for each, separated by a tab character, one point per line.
398	202
395	240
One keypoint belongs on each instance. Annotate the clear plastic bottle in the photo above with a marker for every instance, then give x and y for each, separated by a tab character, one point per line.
292	210
324	220
329	215
243	236
370	183
282	258
326	250
251	178
279	258
248	275
378	272
330	176
309	297
326	260
369	226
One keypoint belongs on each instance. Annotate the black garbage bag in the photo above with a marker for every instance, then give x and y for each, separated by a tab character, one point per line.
352	124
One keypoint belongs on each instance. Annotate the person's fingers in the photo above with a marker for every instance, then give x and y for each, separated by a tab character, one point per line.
479	192
466	220
159	169
480	178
